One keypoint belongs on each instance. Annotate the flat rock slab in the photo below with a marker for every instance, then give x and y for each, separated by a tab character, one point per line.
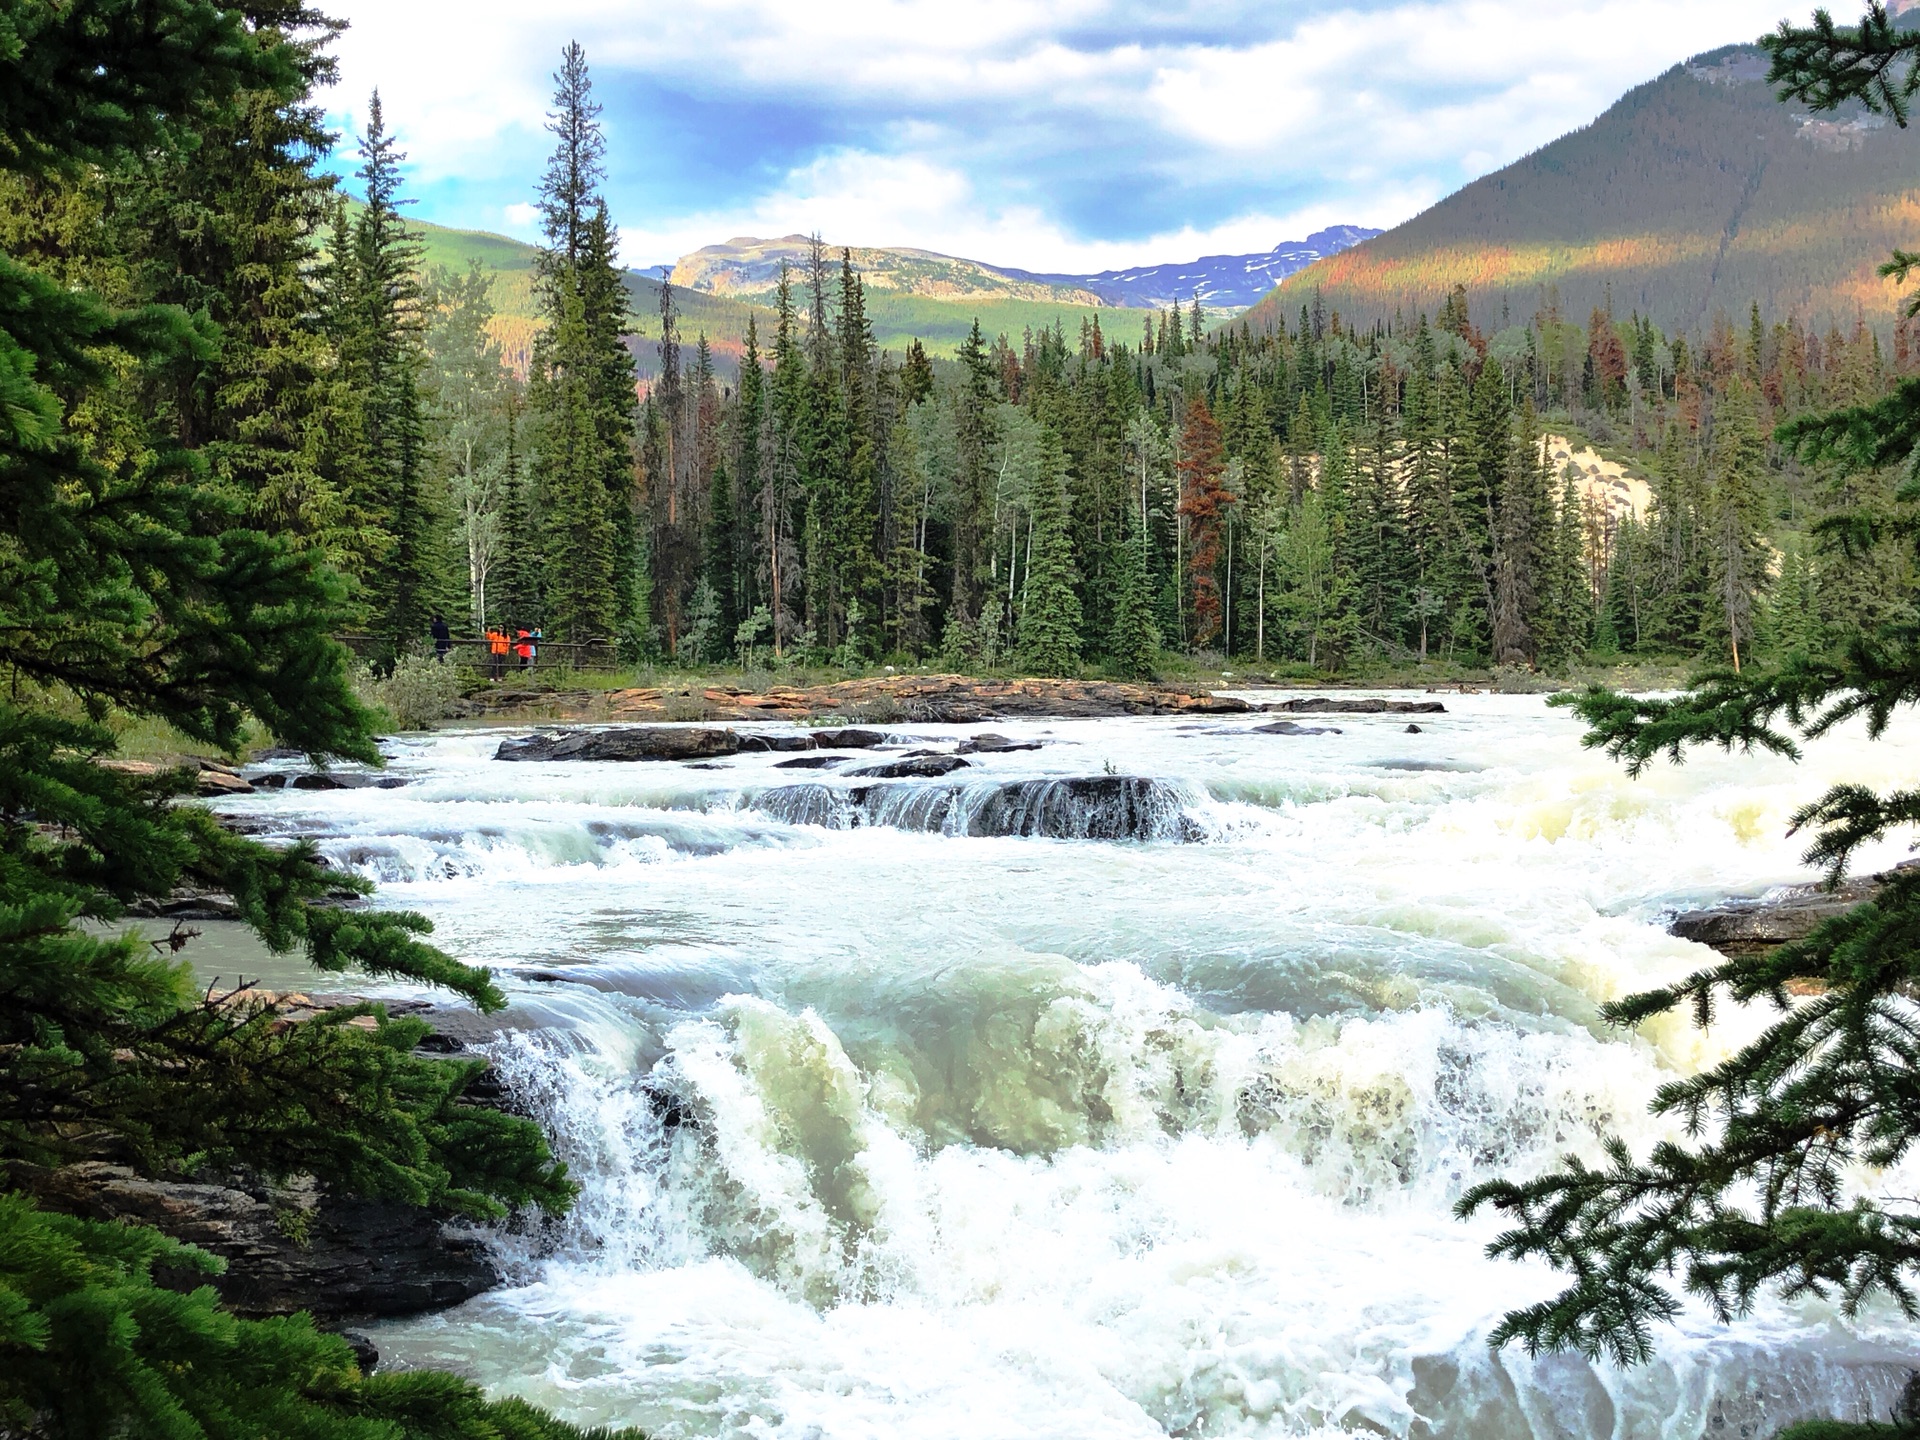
1288	727
1753	927
811	762
1327	705
673	742
990	744
637	742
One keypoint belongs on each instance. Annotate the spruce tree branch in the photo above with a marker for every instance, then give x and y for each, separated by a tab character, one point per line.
1825	65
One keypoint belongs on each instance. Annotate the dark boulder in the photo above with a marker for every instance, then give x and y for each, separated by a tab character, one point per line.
1287	727
811	762
344	780
991	744
914	767
776	742
848	739
1753	927
634	742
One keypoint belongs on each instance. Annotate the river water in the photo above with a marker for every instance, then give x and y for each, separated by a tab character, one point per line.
888	1127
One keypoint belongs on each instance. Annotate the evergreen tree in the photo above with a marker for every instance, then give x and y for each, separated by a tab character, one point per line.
1737	550
380	328
916	376
1133	644
582	392
1049	629
135	578
1757	1196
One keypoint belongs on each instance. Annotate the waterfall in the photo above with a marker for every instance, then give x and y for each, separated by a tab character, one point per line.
1095	807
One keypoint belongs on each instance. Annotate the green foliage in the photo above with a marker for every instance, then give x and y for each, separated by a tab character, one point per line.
417	694
137	581
1759	1197
95	1347
1050	611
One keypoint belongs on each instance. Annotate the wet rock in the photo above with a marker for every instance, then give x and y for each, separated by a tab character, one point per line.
635	742
1288	727
187	904
810	762
216	780
848	739
344	780
776	742
914	767
1088	807
352	1257
1413	730
1754	927
365	1354
991	744
1327	705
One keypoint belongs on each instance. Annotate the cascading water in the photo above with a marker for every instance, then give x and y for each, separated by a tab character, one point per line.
1092	807
922	1108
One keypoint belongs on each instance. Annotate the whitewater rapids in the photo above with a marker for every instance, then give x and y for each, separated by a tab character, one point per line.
896	1118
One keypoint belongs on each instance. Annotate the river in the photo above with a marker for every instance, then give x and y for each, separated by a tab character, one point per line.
889	1129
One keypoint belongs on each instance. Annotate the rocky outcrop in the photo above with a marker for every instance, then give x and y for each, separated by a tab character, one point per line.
1753	927
627	743
212	778
927	699
294	1246
1327	705
665	742
287	1248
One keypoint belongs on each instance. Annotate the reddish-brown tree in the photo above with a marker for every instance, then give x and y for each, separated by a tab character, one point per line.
1203	500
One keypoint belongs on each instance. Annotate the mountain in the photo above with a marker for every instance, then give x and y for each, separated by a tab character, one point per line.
898	315
746	268
1694	193
1223	282
516	316
749	269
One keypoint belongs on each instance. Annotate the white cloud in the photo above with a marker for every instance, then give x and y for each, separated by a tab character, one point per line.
1026	132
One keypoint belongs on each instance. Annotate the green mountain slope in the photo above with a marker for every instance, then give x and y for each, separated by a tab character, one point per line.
1694	192
898	315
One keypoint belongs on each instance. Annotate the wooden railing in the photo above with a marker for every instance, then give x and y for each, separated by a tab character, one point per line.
474	654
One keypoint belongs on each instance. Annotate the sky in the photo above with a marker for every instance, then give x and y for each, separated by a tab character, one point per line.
1074	136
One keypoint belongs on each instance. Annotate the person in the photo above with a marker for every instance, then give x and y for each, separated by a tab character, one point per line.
442	638
496	654
525	649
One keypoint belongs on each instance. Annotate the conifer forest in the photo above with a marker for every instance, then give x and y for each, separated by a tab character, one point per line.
1340	495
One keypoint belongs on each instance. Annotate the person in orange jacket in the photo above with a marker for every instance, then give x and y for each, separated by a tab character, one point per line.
496	654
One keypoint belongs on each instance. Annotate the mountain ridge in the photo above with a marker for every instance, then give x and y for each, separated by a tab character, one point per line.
1694	192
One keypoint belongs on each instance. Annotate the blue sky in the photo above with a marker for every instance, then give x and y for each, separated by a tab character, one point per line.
1078	135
